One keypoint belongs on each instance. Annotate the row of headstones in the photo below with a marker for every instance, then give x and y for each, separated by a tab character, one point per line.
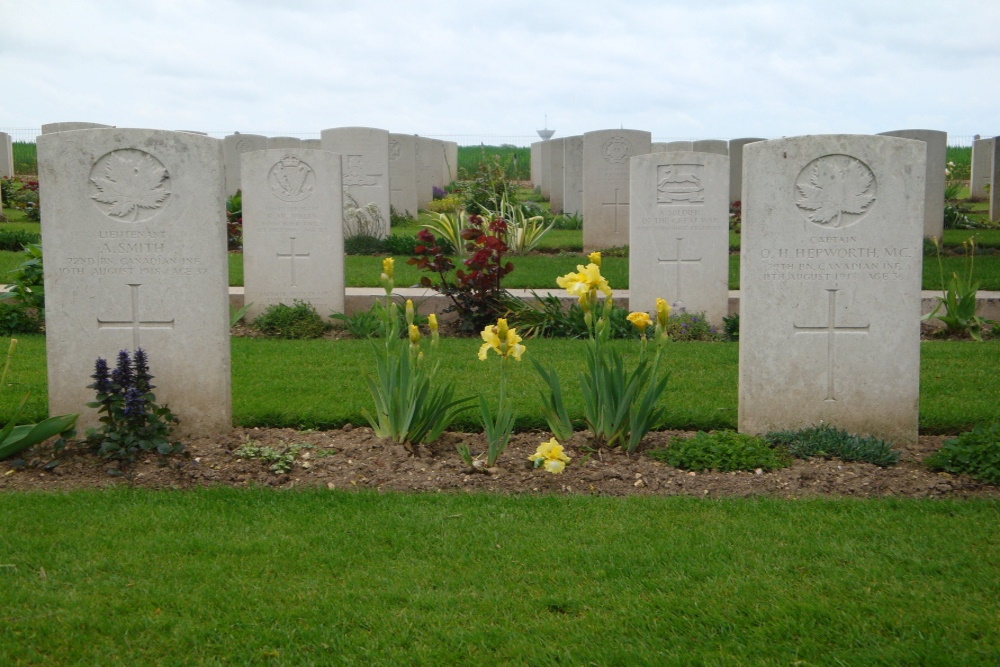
393	171
589	175
135	247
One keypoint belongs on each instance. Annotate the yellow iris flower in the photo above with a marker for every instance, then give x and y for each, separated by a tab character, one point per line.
640	320
595	257
662	313
550	455
584	280
504	340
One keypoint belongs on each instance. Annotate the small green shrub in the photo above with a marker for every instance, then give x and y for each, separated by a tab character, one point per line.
17	320
396	244
363	244
975	453
362	324
685	326
22	307
397	217
723	451
14	240
297	321
731	327
832	443
279	461
568	221
449	204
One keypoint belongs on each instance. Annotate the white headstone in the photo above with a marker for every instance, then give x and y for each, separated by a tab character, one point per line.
293	230
443	172
659	147
982	168
312	144
995	181
403	174
717	146
830	284
6	156
284	142
573	175
233	146
556	162
134	237
365	161
49	128
451	160
606	155
680	146
937	162
425	181
545	167
736	166
679	216
536	158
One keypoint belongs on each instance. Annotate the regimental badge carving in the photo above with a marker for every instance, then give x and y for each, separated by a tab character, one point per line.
393	149
129	185
291	179
835	191
354	173
679	183
617	150
245	146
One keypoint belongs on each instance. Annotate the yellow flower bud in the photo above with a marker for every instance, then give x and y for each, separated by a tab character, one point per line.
595	257
432	322
388	264
662	313
409	312
414	335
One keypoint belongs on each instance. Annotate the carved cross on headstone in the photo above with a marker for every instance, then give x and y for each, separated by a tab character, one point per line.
677	261
291	255
135	324
615	205
830	329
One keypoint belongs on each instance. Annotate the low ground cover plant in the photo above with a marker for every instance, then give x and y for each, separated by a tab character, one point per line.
278	461
298	321
975	453
960	298
722	451
22	306
829	442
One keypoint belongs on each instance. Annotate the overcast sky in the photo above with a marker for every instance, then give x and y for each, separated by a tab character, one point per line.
687	69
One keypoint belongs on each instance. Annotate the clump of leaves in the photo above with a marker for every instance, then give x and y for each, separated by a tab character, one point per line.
300	320
279	461
234	221
22	306
975	453
685	326
131	420
722	451
476	293
832	443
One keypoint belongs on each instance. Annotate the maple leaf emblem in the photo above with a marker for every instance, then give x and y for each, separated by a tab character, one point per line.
835	187
131	181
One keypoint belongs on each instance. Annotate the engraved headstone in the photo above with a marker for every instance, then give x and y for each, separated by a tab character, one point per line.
364	155
6	155
403	174
830	272
679	216
556	172
736	166
134	237
293	230
717	146
440	161
573	175
49	128
606	155
233	146
981	168
937	162
659	147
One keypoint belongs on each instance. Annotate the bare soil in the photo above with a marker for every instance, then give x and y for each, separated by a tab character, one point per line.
354	458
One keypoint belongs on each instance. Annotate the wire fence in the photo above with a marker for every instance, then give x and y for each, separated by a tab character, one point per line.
27	135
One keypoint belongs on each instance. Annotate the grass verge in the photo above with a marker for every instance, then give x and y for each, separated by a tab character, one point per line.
225	576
